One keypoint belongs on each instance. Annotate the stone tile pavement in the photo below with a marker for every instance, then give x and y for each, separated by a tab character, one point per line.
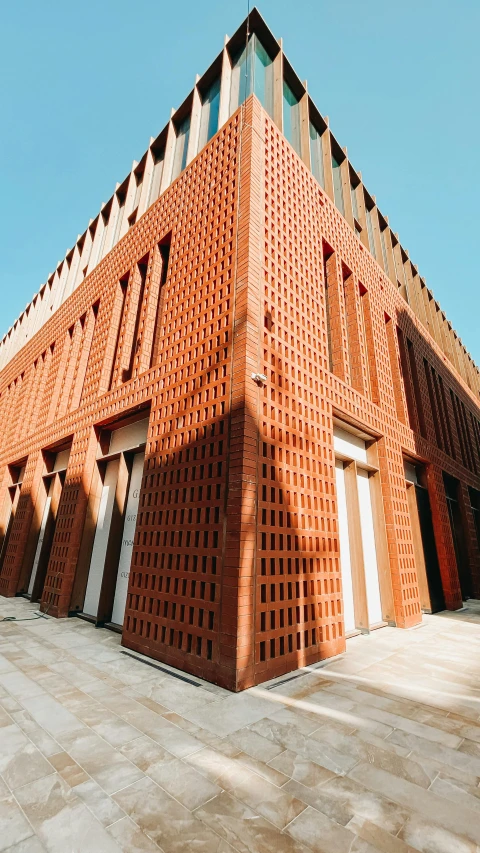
378	750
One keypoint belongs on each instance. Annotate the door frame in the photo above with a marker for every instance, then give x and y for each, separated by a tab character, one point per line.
355	533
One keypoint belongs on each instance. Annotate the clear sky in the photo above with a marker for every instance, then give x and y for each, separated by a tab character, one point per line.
85	85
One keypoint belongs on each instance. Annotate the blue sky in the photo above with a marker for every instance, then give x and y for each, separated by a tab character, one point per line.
86	85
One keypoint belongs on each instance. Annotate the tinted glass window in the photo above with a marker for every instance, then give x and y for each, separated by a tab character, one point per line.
316	155
209	115
337	185
291	117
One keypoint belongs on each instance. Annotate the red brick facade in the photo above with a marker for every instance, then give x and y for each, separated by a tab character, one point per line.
235	574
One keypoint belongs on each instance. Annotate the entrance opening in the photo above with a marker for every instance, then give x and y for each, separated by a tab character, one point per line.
424	548
13	496
53	481
121	469
362	601
458	534
345	556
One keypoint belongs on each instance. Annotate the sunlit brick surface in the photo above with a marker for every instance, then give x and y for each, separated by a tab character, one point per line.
236	572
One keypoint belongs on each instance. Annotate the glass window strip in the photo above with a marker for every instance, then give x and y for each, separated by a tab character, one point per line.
384	249
353	193
316	155
371	240
252	71
337	185
181	148
291	117
209	114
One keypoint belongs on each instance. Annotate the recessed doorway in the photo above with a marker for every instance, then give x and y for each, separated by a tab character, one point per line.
120	471
359	532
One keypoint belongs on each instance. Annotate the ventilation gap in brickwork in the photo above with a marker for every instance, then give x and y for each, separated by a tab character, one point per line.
407	381
395	370
351	328
433	404
163	259
366	320
416	388
327	254
137	338
121	298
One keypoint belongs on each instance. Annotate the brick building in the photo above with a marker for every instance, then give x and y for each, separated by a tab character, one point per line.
235	424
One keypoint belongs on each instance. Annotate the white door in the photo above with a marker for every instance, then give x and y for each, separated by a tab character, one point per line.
97	562
369	551
345	561
41	536
127	539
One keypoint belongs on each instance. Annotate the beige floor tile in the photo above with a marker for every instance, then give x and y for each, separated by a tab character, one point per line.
51	715
149	703
130	838
429	806
146	754
173	827
377	837
207	738
218	768
428	837
241	827
10	704
465	762
265	771
467	796
376	754
301	769
324	755
14	826
101	761
175	740
372	805
68	769
330	806
320	833
305	722
277	805
228	715
20	761
255	745
115	701
20	686
100	804
116	731
61	821
30	845
399	713
45	743
175	695
181	781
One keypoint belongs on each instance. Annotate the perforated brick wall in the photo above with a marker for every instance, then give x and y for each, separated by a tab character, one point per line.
235	574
